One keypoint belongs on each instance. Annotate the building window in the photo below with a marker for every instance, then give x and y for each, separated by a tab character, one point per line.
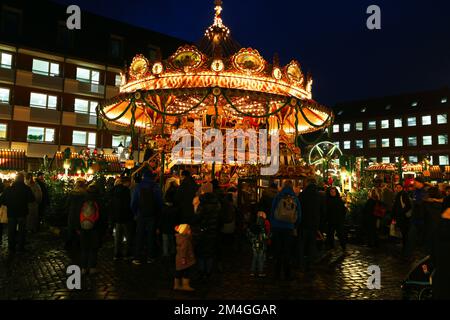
385	160
359	144
84	138
39	100
37	134
414	104
442	118
4	95
3	131
45	68
5	60
346	145
346	127
398	142
398	123
372	160
426	120
443	160
443	139
384	124
86	107
363	110
125	140
412	141
359	126
396	159
444	100
385	143
413	159
372	125
87	75
335	128
340	112
411	121
388	107
427	140
372	143
118	80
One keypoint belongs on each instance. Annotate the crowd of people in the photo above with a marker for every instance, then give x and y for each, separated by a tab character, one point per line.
190	223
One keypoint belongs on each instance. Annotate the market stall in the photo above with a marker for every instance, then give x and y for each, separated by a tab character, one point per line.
11	162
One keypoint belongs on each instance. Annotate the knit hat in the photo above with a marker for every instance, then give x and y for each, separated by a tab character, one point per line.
181	228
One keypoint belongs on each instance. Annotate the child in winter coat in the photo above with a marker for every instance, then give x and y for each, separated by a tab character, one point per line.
259	234
185	258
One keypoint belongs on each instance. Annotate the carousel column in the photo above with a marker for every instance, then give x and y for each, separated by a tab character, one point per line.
216	94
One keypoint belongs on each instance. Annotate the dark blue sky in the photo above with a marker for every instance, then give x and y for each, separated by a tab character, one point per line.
328	37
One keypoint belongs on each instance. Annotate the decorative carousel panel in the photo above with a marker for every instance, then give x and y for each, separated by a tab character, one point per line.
249	60
187	58
294	73
139	67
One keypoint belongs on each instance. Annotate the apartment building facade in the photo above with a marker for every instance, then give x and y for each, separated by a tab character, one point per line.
413	125
52	78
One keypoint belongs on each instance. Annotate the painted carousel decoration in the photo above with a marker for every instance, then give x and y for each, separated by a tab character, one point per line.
219	83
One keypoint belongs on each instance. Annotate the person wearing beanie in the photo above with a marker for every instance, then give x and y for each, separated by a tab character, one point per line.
185	258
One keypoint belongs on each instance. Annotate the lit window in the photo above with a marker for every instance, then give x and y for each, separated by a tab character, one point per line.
45	68
5	60
396	159
442	118
385	143
385	160
85	106
414	104
443	160
4	95
372	125
372	143
346	127
398	123
426	120
3	130
359	144
125	140
413	159
398	142
363	110
372	160
427	140
359	126
412	141
340	112
443	139
384	124
411	121
37	134
444	100
87	75
118	80
336	128
346	145
388	107
84	138
40	100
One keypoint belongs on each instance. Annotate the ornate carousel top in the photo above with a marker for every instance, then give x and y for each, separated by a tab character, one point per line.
219	83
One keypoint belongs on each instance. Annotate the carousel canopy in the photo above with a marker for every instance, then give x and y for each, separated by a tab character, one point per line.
219	83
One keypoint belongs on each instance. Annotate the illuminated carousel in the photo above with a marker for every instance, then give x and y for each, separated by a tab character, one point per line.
220	84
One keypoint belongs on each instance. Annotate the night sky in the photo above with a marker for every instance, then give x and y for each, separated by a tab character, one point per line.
330	38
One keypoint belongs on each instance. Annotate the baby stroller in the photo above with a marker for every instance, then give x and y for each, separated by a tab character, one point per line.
417	285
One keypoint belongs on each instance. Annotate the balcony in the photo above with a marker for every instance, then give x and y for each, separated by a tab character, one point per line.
30	79
44	115
84	88
5	111
7	75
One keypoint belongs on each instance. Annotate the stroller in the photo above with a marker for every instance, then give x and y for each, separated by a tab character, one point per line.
417	285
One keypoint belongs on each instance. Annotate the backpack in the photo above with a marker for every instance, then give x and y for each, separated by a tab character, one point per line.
286	210
147	205
89	215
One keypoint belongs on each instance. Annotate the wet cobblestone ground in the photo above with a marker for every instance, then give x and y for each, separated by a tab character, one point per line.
41	274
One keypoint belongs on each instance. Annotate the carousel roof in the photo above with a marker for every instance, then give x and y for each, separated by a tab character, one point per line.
220	79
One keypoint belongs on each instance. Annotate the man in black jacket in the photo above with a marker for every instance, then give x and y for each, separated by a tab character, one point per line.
16	198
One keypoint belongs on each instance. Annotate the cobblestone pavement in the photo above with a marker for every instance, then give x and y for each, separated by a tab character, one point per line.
41	274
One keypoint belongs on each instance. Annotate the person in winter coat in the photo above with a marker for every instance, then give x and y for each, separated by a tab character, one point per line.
313	208
283	231
441	256
370	218
401	212
185	258
207	222
265	203
17	199
91	228
336	217
73	206
432	216
45	203
184	196
122	218
168	219
146	204
33	208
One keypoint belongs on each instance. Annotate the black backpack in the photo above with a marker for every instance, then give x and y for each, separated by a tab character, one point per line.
147	202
